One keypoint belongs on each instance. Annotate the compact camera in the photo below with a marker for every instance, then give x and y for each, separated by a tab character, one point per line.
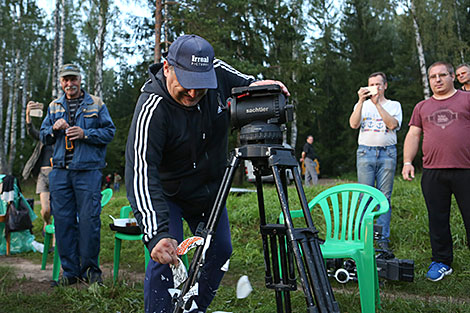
373	90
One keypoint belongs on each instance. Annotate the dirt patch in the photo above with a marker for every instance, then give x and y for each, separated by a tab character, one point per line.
31	279
27	269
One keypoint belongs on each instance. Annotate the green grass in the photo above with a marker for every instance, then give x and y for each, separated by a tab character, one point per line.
409	240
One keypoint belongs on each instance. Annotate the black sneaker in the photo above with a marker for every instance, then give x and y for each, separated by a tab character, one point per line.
383	245
93	277
64	281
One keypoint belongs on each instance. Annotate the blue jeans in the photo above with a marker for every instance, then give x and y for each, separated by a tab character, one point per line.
77	193
159	278
311	177
376	167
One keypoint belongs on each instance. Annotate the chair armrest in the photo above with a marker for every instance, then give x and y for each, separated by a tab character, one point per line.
384	206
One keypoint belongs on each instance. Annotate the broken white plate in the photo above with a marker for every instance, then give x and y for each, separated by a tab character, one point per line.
179	273
243	287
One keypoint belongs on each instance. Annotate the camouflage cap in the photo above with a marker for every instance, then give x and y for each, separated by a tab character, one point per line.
69	70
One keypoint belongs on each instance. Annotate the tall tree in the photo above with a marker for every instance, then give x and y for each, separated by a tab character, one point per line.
100	44
14	115
330	92
419	49
55	63
24	99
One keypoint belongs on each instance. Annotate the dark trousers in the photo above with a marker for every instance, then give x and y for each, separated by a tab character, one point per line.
76	207
438	185
159	278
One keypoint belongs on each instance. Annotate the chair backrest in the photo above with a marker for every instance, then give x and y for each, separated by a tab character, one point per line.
125	211
106	196
349	211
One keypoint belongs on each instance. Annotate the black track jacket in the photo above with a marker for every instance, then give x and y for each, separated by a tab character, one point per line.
175	152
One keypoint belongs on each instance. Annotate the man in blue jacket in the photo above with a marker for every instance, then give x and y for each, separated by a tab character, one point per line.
80	127
175	159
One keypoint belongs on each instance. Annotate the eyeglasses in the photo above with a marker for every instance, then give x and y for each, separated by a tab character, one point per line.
440	75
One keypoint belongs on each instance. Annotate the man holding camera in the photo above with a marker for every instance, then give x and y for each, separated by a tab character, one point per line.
175	160
39	162
80	127
443	121
379	119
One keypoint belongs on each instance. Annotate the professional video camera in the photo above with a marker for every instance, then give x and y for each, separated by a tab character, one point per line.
259	112
388	266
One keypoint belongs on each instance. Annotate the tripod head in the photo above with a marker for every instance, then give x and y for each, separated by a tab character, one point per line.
259	112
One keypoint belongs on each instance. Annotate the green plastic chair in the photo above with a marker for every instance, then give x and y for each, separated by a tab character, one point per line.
119	237
125	212
349	212
49	231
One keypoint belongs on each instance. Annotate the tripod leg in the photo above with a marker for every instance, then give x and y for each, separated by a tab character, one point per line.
276	268
198	260
302	198
313	276
314	259
291	237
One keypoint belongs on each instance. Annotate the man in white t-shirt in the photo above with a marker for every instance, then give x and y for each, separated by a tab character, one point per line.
378	119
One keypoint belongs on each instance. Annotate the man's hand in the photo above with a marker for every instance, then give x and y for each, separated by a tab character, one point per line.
165	252
60	124
272	82
408	172
74	133
364	94
31	106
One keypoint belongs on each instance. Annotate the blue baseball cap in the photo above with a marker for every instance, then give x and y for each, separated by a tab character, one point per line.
193	60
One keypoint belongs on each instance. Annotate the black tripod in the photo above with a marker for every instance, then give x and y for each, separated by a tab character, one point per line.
298	246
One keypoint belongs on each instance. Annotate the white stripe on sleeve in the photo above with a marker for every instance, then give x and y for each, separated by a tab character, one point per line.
228	68
141	179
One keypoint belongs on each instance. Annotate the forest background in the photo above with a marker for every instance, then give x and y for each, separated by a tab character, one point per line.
322	50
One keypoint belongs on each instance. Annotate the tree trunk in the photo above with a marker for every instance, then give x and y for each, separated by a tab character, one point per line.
14	115
459	32
158	31
166	26
293	132
99	51
6	137
55	61
419	48
24	100
60	59
48	79
2	147
1	95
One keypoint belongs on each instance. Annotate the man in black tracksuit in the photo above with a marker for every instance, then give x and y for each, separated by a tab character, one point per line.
175	160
